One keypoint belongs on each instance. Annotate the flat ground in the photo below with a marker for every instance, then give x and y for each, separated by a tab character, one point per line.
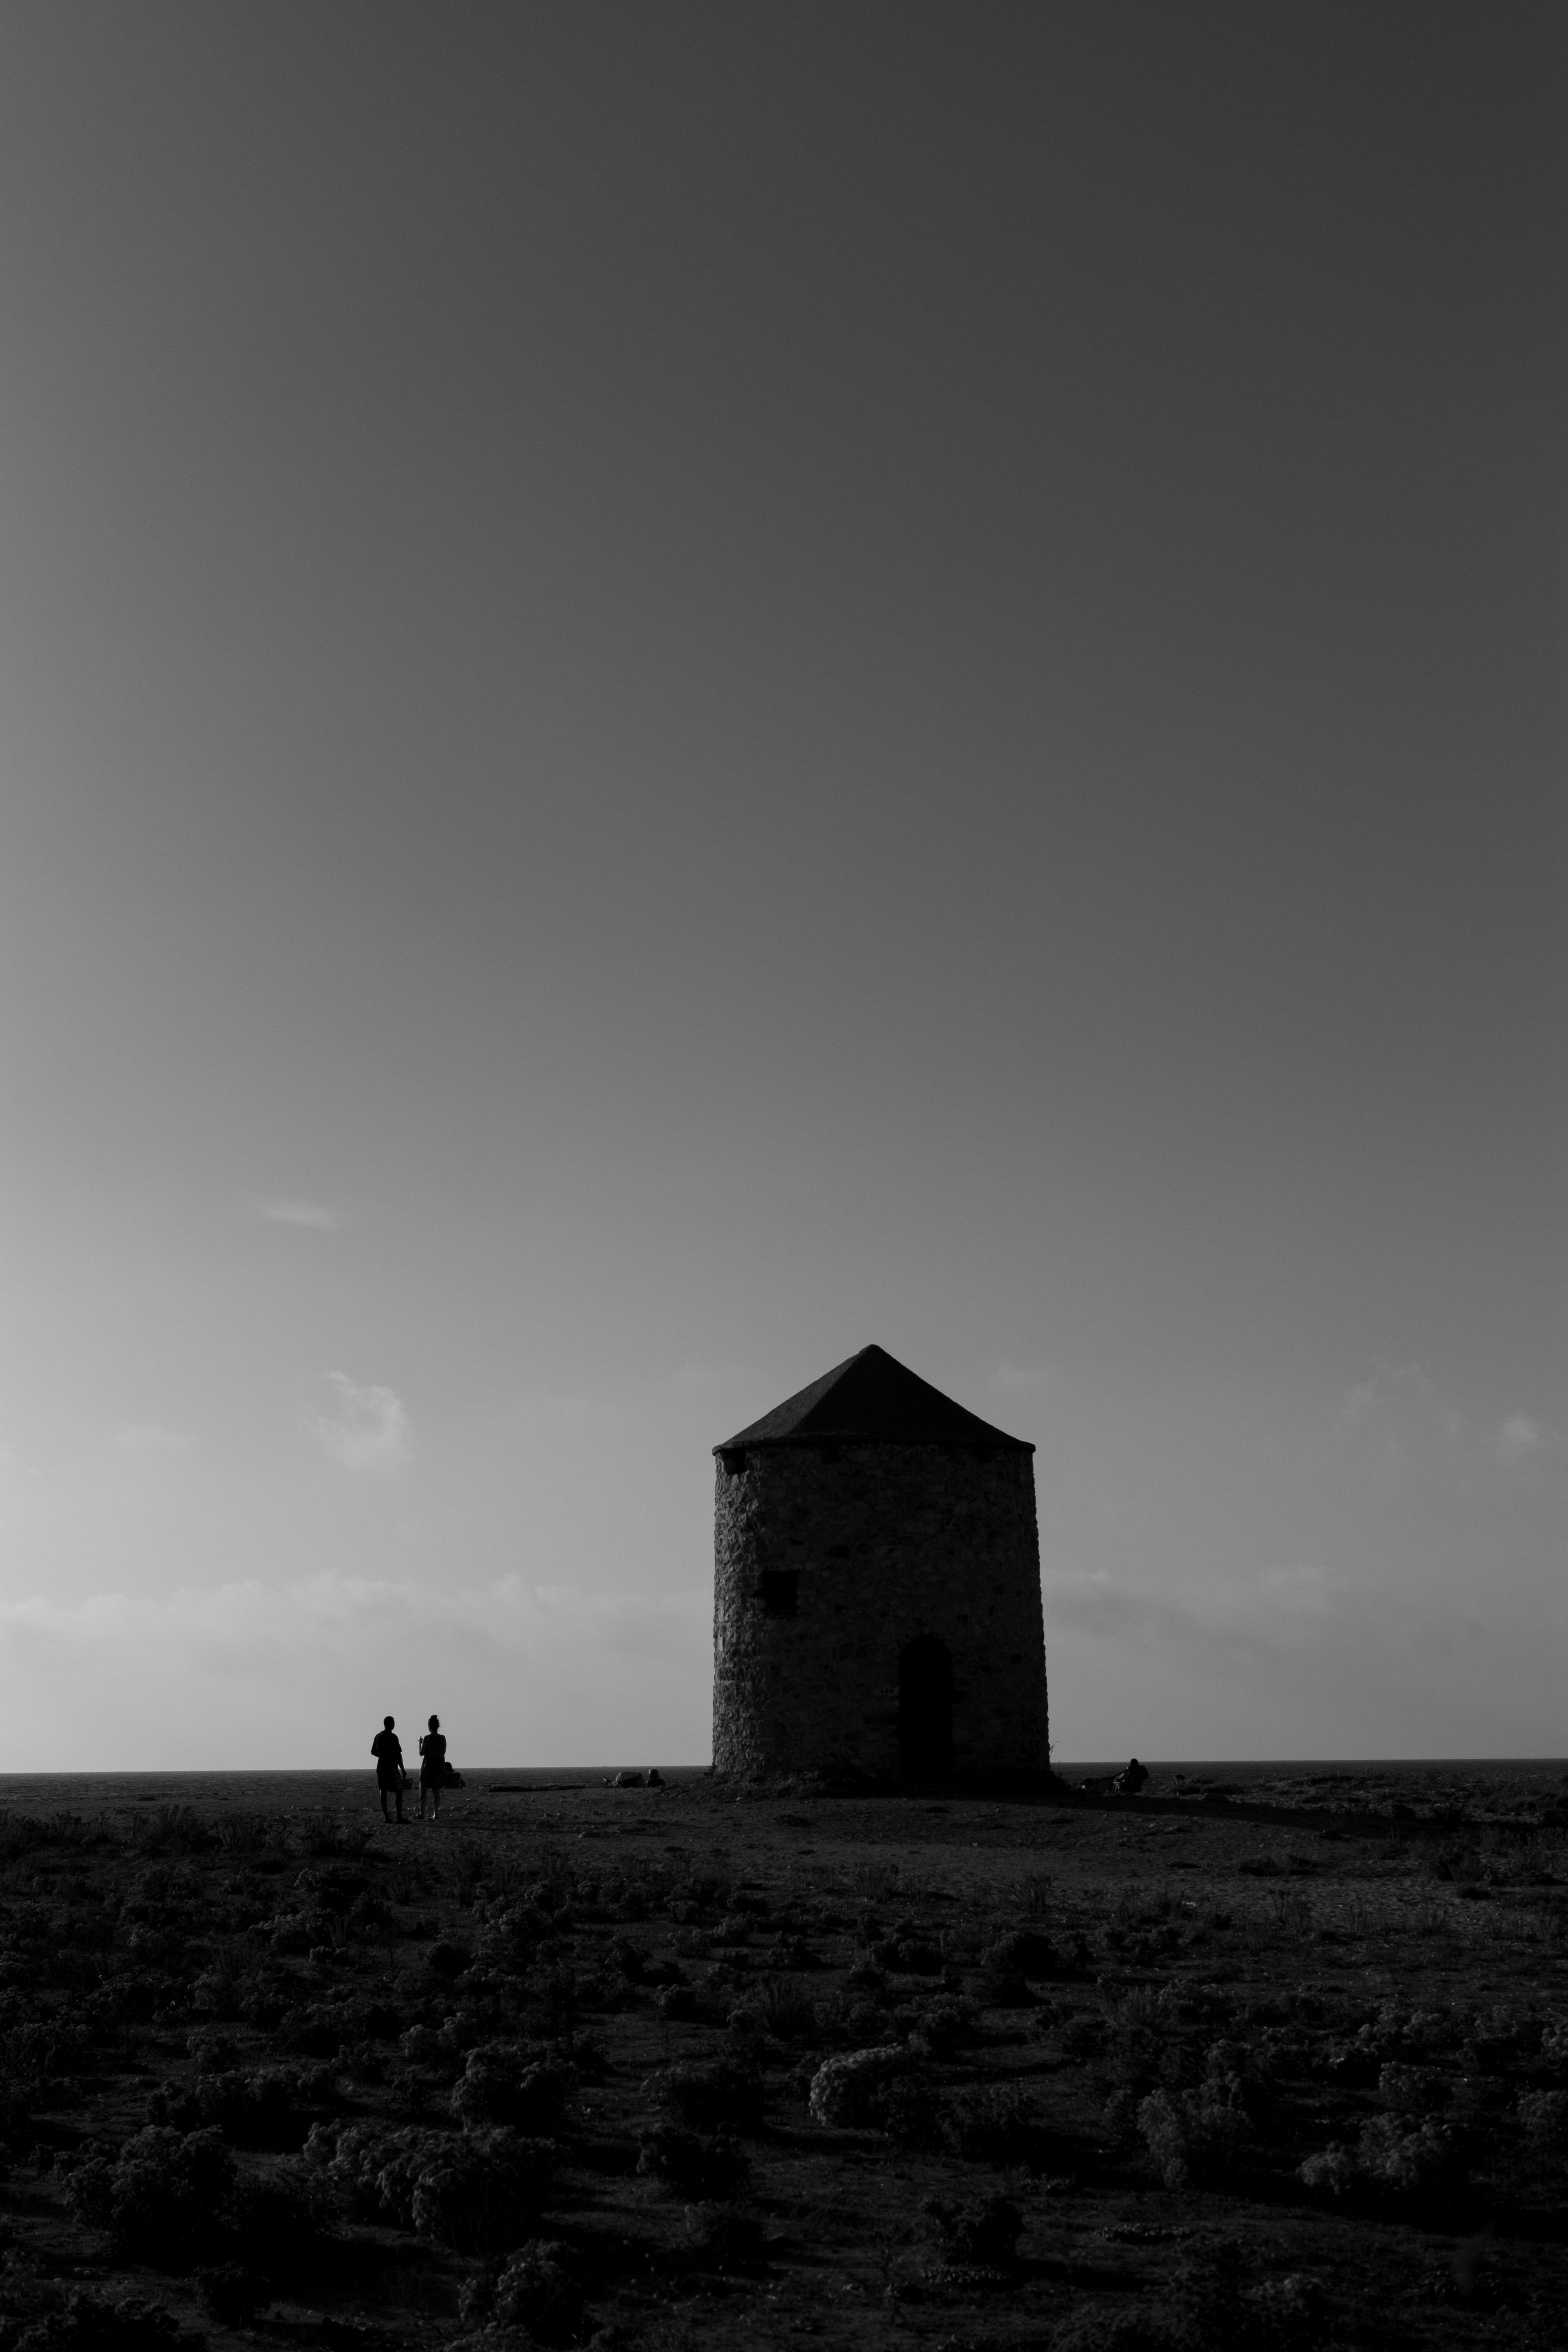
552	2071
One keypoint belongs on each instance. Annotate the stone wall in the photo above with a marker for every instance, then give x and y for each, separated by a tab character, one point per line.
885	1542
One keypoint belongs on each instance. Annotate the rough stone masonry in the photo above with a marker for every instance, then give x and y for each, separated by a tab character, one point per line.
876	1588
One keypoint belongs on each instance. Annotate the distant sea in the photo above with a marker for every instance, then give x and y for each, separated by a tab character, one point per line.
311	1791
284	1793
1355	1767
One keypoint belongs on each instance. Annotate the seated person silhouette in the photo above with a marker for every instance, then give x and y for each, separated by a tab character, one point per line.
387	1749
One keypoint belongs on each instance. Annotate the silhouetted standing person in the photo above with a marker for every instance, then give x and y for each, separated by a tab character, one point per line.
387	1749
432	1767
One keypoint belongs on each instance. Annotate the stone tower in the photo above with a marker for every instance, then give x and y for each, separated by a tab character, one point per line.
877	1587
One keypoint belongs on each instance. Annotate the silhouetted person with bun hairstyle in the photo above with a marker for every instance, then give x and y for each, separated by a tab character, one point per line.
432	1767
387	1749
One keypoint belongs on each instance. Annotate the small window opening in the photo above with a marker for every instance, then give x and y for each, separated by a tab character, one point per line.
733	1459
780	1592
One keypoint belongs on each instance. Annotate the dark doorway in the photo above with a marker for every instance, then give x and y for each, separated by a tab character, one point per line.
780	1592
925	1710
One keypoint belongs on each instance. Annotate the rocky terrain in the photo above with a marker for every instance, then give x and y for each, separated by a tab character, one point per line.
1218	2066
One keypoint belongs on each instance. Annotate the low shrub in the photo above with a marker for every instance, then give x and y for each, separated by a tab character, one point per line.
26	1833
330	1841
173	1828
786	2011
1192	2136
1138	2043
1412	2090
486	2196
1331	2171
445	1960
214	2052
865	2025
1500	2035
231	2294
537	2295
1090	2329
503	2083
480	2192
1214	2306
92	2323
936	2028
1422	2166
907	1954
321	2030
264	2108
265	1998
992	2123
1543	2118
244	1833
1000	1986
514	1935
1554	2041
911	2112
623	1957
554	2000
1025	1952
1355	2063
369	2171
792	1952
362	2061
709	2094
721	2239
163	2198
846	2091
983	2231
1412	2163
1199	2133
694	2164
277	2220
1210	2305
30	2053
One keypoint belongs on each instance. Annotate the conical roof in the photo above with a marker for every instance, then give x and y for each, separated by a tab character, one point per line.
872	1396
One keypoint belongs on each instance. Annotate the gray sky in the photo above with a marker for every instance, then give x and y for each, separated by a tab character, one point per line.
682	687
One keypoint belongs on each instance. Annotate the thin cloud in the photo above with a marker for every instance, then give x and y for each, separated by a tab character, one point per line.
305	1216
231	1624
150	1441
203	1676
1403	1390
1520	1437
367	1428
1292	1616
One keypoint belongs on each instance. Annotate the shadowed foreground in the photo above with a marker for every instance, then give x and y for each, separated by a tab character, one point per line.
655	2068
